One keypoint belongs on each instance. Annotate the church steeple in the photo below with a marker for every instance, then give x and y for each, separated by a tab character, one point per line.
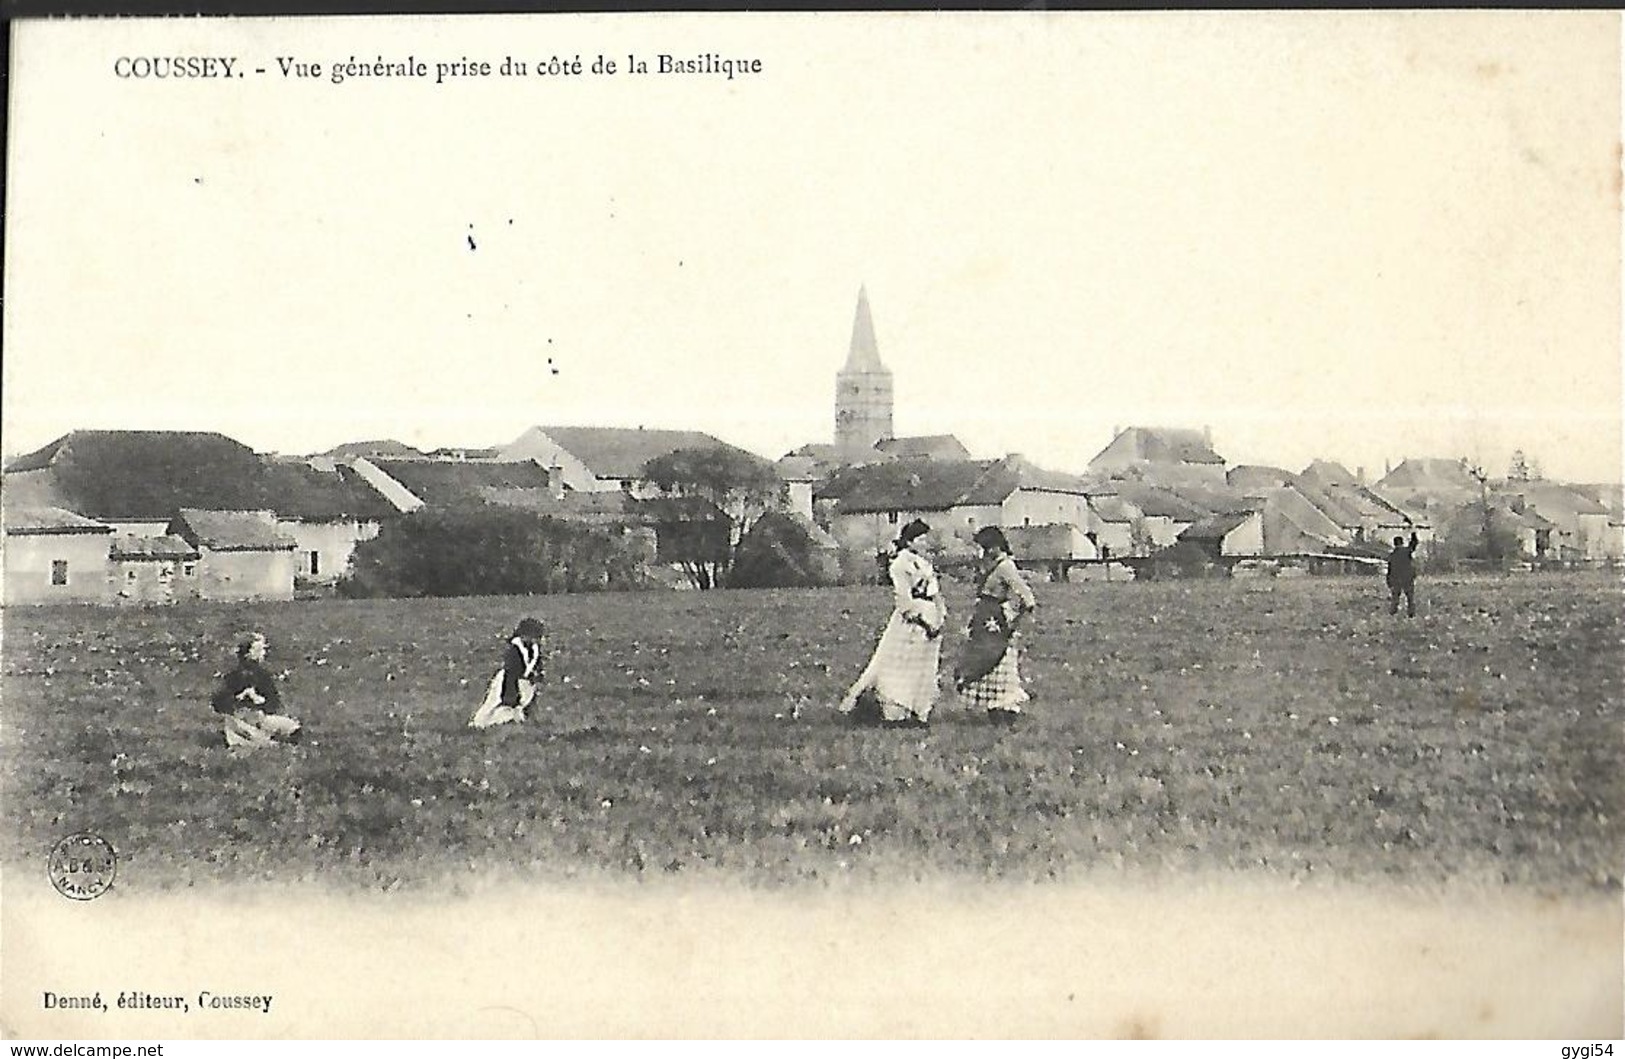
865	352
863	390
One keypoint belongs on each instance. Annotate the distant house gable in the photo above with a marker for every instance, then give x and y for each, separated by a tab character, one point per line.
1254	479
1429	474
926	446
609	454
1156	445
387	448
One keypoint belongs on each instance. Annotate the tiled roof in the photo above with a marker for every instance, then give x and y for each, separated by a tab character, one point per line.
929	446
231	531
449	483
1160	445
1329	472
622	452
387	448
300	491
1158	502
149	473
169	546
938	485
1428	474
1214	527
42	520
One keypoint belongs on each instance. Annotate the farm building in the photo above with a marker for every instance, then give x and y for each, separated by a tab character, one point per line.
1361	513
242	554
411	484
55	556
1580	522
326	513
1163	514
598	459
1429	490
1252	480
1238	533
1117	526
1295	525
149	569
137	479
1528	536
956	497
1163	455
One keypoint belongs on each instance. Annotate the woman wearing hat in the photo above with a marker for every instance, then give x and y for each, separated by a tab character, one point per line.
986	676
902	674
513	688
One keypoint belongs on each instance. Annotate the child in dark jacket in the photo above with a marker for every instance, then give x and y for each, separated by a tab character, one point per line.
248	701
513	688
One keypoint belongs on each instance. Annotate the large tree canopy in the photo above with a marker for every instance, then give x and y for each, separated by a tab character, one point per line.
742	486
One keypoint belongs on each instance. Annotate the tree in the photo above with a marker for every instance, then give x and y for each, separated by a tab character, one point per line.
742	486
1518	471
780	552
1491	542
490	550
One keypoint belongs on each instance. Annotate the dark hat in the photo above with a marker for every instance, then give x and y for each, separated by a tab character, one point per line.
529	629
914	529
992	537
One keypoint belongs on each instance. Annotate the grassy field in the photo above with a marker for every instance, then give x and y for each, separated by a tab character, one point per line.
1286	728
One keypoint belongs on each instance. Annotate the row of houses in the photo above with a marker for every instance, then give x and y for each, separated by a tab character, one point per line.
1154	489
161	516
164	516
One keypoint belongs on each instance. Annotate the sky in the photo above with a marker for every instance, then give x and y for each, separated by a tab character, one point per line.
1360	236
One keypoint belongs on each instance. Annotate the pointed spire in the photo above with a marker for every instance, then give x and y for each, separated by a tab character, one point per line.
865	352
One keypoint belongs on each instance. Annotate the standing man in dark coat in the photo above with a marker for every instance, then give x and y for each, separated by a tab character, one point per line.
1402	575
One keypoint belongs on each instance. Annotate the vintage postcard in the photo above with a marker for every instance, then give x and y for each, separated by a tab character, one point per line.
861	525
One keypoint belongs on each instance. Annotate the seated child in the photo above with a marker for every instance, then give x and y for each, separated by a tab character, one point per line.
247	700
513	688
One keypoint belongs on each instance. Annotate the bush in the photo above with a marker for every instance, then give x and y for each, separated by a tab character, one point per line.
1183	559
490	551
780	552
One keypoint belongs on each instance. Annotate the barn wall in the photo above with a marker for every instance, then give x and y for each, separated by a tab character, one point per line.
1034	507
145	580
334	543
246	575
28	559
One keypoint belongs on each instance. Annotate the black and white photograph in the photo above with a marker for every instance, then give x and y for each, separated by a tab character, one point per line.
831	525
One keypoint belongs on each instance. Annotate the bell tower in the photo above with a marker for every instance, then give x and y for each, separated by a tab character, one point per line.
863	390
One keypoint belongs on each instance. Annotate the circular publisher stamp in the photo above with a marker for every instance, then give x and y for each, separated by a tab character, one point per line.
82	866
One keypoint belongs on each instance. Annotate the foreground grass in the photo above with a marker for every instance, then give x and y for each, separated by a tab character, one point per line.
1289	728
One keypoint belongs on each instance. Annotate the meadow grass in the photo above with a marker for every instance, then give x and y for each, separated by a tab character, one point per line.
1290	728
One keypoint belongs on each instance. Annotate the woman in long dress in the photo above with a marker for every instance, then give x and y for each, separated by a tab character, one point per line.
987	675
902	673
513	688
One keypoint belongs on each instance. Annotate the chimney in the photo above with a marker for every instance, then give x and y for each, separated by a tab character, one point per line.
1359	475
555	481
1207	436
